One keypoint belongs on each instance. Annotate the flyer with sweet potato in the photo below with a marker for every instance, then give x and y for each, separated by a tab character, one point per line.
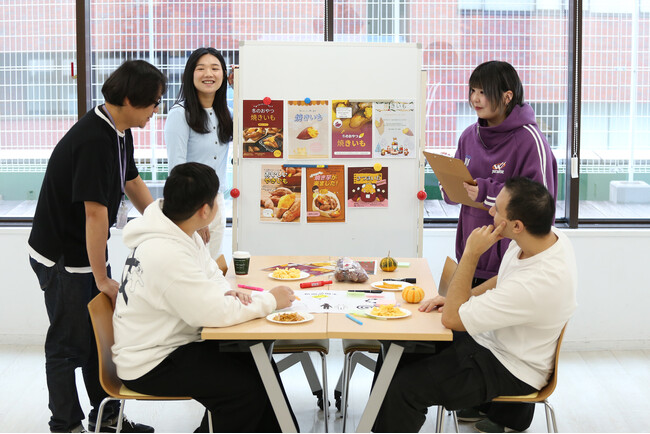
262	129
325	189
280	194
394	129
367	187
351	129
308	132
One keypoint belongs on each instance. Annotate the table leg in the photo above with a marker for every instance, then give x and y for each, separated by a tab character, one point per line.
380	387
272	387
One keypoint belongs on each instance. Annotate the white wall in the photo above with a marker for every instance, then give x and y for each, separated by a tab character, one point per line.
612	293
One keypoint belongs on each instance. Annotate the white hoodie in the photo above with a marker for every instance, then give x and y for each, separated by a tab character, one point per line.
170	289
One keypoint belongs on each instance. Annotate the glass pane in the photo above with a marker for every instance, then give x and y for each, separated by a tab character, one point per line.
38	95
458	36
615	122
166	32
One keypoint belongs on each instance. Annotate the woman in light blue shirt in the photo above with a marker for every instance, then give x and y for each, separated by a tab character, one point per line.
199	128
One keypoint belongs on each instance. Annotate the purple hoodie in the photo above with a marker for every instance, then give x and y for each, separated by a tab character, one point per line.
516	147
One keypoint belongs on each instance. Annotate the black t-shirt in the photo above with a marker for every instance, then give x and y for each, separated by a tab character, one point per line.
84	166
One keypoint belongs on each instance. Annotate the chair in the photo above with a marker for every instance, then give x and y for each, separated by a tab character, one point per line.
222	264
101	315
298	351
352	348
540	397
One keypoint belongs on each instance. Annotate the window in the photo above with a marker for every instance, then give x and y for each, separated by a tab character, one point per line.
38	93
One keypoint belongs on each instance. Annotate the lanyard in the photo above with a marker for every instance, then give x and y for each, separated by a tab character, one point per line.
121	155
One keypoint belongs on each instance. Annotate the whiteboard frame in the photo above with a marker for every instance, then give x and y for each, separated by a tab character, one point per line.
374	236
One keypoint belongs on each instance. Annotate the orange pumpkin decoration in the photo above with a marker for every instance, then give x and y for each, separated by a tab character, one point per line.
413	294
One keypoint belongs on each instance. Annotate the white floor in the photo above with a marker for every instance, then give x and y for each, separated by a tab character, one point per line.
603	391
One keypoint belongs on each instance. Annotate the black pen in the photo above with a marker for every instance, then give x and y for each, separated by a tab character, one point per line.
372	291
406	279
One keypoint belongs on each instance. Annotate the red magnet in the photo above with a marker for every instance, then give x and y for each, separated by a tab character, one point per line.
235	193
266	100
422	194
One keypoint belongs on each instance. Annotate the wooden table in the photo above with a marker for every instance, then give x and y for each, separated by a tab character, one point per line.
419	326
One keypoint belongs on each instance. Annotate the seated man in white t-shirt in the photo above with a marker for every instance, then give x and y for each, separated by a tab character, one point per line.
505	330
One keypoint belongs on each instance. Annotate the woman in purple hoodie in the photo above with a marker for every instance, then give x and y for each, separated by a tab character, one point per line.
505	142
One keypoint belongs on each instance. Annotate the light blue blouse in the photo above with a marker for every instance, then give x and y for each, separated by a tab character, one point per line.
184	144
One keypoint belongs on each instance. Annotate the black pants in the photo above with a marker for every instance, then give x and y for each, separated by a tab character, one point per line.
463	374
226	383
70	344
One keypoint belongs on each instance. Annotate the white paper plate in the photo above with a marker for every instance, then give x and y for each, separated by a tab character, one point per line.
406	313
303	275
306	316
402	285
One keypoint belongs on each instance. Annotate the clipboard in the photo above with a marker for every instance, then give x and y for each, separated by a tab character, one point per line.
452	172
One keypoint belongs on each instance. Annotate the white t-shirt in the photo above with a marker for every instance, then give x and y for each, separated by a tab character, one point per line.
520	320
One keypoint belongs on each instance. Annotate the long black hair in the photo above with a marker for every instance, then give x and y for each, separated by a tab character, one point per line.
495	78
195	115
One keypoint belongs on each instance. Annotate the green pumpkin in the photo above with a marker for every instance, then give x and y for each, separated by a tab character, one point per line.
388	263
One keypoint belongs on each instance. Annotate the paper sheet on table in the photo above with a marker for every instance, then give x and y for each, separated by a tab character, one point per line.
451	173
323	301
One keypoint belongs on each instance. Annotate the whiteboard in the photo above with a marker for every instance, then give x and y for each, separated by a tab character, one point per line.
329	71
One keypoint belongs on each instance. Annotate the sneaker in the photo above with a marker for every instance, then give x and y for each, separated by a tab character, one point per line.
127	426
487	426
470	415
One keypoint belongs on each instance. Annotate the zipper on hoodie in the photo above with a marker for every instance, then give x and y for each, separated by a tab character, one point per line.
478	133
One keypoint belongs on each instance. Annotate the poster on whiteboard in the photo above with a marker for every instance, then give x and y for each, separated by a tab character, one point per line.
394	130
308	131
280	194
351	129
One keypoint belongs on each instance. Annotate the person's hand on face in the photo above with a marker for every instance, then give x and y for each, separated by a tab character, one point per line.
481	239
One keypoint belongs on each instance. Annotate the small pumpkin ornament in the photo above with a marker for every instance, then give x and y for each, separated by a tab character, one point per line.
413	294
388	263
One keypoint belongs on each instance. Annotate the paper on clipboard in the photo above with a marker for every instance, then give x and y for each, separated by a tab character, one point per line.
451	173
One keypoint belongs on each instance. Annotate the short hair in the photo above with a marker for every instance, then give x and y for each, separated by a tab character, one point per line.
189	187
139	81
531	203
496	77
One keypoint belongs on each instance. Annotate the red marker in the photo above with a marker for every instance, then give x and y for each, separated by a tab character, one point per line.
315	284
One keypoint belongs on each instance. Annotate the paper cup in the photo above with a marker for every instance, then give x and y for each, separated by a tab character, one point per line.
241	260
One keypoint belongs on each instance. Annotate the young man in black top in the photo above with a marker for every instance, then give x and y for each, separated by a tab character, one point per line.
89	173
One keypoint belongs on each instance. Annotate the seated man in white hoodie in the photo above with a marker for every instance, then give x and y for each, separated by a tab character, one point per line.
170	289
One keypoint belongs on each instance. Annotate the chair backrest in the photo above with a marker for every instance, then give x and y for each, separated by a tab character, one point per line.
448	271
546	391
222	264
101	315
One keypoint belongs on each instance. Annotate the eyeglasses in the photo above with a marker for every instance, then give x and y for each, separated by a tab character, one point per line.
157	103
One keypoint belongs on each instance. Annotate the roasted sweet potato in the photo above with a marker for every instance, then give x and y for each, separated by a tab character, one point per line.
292	213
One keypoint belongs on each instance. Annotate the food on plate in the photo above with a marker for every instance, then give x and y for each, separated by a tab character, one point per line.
292	213
387	310
388	263
326	203
384	285
288	317
286	273
347	269
307	133
413	294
